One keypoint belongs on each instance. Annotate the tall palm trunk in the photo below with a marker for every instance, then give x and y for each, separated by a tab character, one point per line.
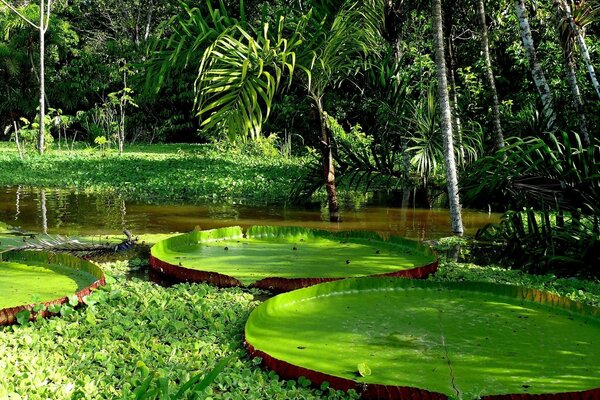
582	46
536	69
446	117
489	74
327	162
447	25
570	65
457	124
42	29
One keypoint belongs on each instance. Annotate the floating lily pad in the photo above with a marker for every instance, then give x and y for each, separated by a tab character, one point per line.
31	278
422	339
286	258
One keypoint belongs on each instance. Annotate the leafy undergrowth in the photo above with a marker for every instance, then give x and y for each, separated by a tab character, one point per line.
158	173
102	350
585	291
134	327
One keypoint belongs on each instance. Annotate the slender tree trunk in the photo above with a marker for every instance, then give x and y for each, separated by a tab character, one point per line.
447	26
489	74
17	142
148	21
572	78
42	29
577	99
446	117
327	160
536	69
582	46
456	123
122	104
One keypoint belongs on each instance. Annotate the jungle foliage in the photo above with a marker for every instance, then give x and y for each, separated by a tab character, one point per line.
354	82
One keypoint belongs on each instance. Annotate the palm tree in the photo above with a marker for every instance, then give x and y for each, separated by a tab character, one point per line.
536	68
578	17
446	118
241	72
489	74
566	37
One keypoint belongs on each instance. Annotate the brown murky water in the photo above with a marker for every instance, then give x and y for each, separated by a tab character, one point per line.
67	212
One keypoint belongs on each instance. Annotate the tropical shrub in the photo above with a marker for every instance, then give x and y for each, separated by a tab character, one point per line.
553	186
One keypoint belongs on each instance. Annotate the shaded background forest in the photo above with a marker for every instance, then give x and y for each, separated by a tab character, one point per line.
143	56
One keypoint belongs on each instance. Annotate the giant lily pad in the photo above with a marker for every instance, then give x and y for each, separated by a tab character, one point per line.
409	339
29	278
287	258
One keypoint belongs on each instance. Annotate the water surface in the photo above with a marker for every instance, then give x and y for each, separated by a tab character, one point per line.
58	211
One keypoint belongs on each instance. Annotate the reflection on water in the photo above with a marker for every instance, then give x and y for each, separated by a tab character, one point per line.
68	212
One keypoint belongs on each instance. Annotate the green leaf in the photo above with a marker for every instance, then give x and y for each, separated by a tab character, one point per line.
23	317
363	369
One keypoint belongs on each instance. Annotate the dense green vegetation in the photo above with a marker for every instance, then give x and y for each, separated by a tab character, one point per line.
132	325
146	173
492	104
380	94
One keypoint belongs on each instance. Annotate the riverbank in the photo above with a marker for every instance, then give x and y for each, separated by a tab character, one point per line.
158	173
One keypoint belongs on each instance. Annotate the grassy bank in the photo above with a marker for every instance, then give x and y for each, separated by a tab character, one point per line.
157	172
133	328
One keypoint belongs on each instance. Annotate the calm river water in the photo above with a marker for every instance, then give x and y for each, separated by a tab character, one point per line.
68	212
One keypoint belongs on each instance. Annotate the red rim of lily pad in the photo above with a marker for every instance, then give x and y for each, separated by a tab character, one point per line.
287	370
8	316
279	284
373	391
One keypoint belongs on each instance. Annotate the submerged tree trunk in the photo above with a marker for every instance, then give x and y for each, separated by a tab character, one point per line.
536	69
446	118
489	74
327	162
44	211
582	46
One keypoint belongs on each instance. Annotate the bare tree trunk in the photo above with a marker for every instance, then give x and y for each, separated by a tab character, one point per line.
456	123
122	104
489	73
536	69
572	77
148	21
42	29
446	117
582	46
327	160
17	140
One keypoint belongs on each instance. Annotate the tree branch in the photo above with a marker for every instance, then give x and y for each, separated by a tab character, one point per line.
13	9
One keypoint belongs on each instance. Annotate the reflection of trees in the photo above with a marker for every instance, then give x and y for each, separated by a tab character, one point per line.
44	211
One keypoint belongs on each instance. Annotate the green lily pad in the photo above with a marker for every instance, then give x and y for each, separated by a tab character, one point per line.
31	278
284	258
462	340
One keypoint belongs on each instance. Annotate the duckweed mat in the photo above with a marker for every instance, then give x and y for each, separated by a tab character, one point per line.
30	278
408	339
286	258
